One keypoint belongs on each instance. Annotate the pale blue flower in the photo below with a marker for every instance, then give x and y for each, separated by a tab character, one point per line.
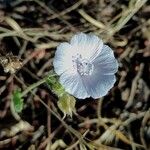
86	66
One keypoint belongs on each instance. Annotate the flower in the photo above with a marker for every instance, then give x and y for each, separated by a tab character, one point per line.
86	66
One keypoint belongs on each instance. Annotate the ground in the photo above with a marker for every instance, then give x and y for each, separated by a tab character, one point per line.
30	30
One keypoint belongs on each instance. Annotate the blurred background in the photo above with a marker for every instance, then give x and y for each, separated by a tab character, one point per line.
30	30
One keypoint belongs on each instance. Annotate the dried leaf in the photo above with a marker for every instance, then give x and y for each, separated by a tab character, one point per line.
66	104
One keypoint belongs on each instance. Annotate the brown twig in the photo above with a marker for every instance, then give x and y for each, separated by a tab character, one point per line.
144	121
134	86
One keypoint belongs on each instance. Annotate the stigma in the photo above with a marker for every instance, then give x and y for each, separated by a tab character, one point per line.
82	65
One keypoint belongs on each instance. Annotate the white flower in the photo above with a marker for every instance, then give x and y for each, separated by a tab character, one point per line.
86	66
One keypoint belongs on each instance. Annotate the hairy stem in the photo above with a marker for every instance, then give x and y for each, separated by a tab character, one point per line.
34	85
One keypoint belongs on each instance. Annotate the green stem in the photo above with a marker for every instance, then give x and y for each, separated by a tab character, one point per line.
34	85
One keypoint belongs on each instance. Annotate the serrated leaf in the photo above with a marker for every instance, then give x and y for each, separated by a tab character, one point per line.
66	104
17	101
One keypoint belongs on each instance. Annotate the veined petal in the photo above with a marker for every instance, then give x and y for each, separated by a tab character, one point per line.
63	58
73	85
89	46
98	85
86	66
106	62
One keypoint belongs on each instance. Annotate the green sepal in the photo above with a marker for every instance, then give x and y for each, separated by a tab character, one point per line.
66	104
55	86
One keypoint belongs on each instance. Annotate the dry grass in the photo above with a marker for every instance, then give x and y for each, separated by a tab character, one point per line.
31	30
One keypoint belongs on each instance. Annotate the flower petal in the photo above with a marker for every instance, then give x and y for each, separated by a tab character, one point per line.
89	49
73	85
98	85
89	46
63	58
106	62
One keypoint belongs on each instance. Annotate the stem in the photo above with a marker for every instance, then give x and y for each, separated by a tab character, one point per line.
34	85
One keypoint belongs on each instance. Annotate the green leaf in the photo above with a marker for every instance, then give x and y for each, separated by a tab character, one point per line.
17	101
66	104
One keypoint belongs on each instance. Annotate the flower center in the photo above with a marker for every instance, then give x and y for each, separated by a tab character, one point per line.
83	66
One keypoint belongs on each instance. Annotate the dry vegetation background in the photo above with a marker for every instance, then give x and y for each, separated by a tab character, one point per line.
31	30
